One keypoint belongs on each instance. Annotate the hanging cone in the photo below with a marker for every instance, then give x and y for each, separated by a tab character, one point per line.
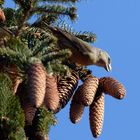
96	114
36	84
76	111
2	16
29	110
86	92
66	88
112	87
51	99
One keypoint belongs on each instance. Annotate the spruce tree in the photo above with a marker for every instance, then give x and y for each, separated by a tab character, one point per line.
37	76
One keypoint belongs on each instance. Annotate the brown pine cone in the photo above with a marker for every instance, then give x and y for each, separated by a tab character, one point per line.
112	87
86	92
29	110
36	84
76	111
51	99
2	16
66	88
96	114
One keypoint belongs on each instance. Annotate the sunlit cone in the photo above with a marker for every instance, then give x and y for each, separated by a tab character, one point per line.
86	92
96	115
112	87
76	111
36	84
29	110
51	99
2	16
66	88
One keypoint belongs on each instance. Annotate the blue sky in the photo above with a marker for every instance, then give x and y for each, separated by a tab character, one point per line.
117	26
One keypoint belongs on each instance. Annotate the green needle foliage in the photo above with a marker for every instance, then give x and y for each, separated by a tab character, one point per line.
11	114
25	40
41	116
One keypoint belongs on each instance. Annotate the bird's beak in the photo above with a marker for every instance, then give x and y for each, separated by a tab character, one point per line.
108	67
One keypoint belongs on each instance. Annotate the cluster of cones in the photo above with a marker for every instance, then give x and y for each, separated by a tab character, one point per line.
42	88
91	94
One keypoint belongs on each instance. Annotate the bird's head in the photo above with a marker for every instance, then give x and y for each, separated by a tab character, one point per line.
104	60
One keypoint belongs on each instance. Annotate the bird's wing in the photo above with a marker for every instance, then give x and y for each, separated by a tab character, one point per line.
76	43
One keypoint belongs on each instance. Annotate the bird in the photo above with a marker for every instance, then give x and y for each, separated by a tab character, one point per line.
82	52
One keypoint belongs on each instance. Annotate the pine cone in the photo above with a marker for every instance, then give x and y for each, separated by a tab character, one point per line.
66	88
26	105
51	99
36	84
96	114
29	112
112	87
2	16
86	92
76	111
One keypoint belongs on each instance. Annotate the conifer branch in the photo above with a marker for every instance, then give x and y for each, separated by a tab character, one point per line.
26	7
87	36
1	2
11	114
49	19
62	55
39	129
56	9
38	49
